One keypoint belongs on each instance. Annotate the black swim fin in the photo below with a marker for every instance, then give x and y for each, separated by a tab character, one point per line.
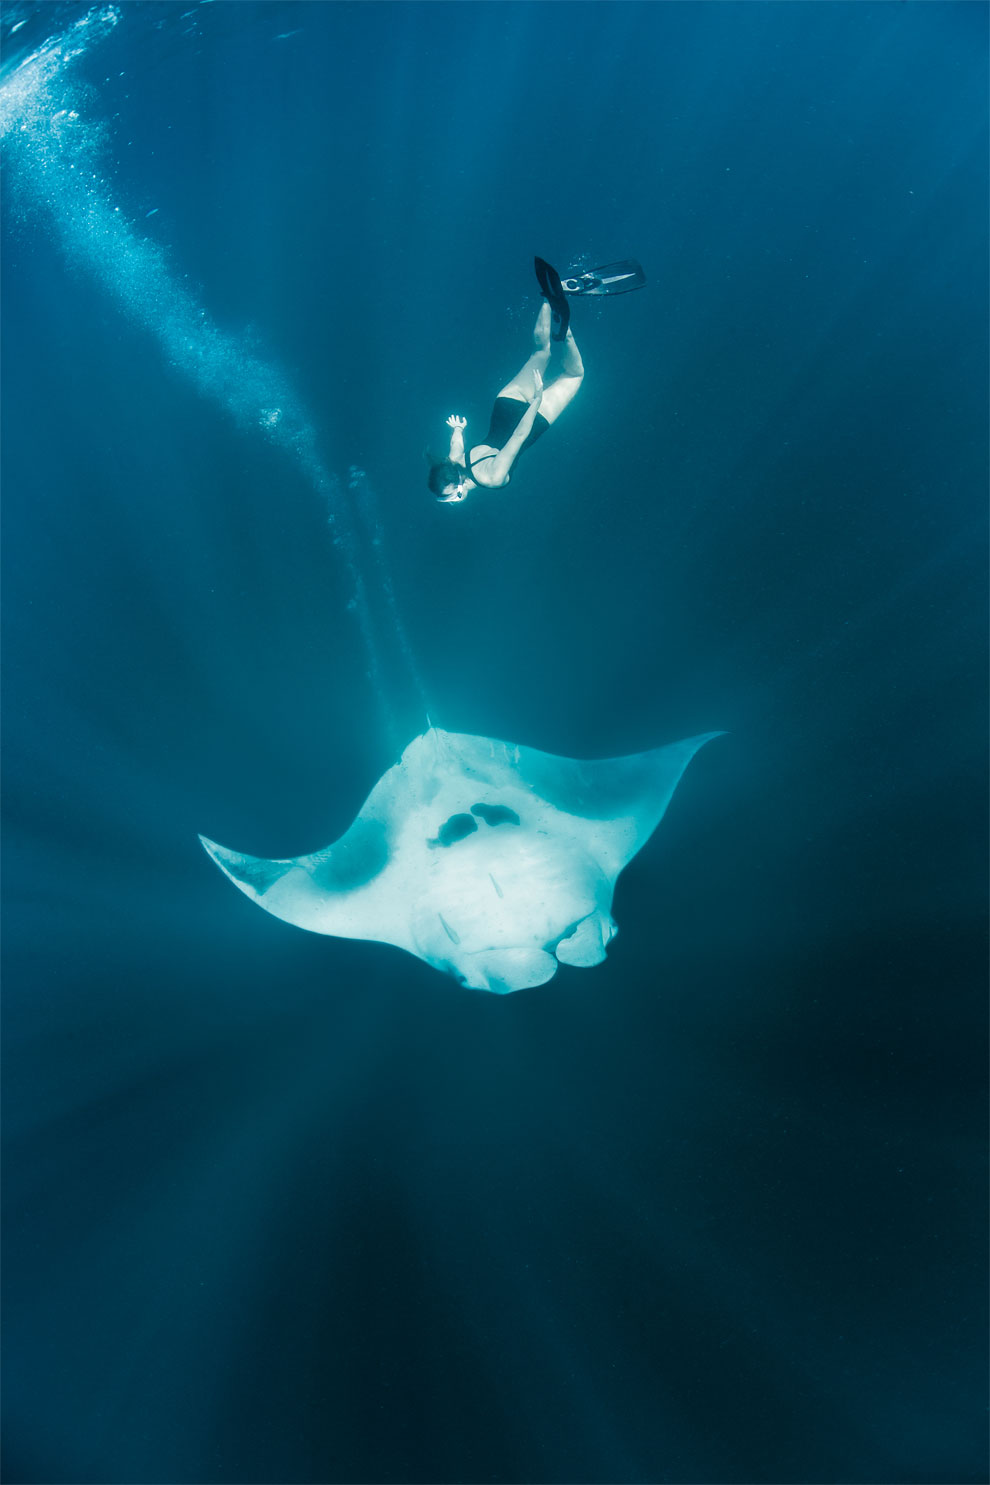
614	278
553	292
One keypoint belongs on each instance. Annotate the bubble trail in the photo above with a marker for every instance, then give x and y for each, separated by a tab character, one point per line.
367	506
56	160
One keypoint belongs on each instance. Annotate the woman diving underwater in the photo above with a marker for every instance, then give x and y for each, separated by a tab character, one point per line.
526	406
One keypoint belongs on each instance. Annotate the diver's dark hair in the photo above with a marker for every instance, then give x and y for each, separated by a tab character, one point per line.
445	472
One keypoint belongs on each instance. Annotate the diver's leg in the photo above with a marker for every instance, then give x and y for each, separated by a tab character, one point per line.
521	385
565	386
570	357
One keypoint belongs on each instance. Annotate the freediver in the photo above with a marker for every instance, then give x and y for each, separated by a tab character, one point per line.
523	411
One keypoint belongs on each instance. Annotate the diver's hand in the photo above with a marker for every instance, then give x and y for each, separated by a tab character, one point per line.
455	422
538	389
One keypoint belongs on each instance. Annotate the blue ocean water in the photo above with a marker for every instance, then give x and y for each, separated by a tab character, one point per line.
290	1208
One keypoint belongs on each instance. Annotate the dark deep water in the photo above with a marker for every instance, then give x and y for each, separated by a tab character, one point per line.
288	1208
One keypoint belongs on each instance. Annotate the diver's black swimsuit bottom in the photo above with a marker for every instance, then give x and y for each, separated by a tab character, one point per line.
506	416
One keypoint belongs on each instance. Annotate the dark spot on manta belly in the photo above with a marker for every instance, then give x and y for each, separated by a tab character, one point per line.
459	827
495	814
453	830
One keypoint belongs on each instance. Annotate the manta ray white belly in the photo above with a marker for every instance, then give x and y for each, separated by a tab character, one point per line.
492	862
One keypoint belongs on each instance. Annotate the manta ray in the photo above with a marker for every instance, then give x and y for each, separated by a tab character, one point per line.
492	862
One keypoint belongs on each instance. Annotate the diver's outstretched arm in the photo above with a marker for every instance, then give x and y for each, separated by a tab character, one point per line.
457	438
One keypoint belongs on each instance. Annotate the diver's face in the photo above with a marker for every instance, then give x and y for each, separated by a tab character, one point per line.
453	492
